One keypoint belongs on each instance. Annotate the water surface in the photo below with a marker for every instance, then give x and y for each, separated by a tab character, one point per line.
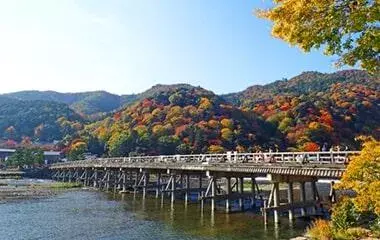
85	214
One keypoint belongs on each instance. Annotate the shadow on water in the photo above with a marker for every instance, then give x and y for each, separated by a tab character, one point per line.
192	220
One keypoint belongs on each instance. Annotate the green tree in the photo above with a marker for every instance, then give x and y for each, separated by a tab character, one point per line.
26	157
168	144
347	28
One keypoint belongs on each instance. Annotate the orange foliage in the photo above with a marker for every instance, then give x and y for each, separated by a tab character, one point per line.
311	147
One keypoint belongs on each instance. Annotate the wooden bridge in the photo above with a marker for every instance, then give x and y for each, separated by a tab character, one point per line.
214	177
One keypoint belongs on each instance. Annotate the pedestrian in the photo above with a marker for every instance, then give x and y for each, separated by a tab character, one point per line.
324	147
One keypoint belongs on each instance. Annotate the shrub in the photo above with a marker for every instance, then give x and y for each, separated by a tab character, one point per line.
352	234
376	228
320	230
344	215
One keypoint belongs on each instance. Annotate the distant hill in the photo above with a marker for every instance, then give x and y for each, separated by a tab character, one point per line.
305	83
85	102
38	120
88	103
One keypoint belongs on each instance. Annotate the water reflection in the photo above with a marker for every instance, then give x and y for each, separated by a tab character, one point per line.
201	221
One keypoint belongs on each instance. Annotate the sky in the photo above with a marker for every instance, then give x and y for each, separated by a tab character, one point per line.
127	46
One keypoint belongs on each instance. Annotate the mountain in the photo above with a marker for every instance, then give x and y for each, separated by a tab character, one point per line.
313	109
38	120
92	103
305	83
85	103
182	119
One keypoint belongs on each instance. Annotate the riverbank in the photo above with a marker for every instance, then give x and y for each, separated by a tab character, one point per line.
18	189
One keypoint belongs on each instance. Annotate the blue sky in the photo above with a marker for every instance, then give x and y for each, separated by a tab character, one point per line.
128	46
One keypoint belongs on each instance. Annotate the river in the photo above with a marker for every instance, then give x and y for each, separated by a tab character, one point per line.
89	214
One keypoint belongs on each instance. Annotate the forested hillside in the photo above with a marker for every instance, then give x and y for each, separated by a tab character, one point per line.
314	108
183	119
302	113
40	121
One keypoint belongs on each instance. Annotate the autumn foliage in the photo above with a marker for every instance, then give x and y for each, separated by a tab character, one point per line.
363	176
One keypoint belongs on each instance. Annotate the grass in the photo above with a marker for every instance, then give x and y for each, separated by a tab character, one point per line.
64	185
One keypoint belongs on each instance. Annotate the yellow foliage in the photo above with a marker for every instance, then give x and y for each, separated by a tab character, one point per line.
227	123
141	130
159	130
79	145
174	112
216	149
314	125
205	103
363	176
320	230
227	134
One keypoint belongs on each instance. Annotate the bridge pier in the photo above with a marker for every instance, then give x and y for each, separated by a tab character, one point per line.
228	192
213	192
276	201
303	198
187	188
241	191
253	191
124	181
95	177
146	181
173	185
158	184
290	200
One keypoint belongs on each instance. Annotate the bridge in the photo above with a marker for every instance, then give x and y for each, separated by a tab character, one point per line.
214	177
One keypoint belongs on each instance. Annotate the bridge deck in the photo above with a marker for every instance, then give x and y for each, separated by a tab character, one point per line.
316	164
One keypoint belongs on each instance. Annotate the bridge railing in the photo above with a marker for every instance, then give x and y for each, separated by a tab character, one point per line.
334	157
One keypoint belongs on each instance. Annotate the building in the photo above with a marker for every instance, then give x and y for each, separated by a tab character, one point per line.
6	153
52	157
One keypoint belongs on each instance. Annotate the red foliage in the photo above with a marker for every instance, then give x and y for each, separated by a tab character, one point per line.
117	116
180	129
146	103
285	107
311	147
326	118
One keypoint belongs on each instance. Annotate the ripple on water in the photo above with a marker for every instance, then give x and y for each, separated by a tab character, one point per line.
94	215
